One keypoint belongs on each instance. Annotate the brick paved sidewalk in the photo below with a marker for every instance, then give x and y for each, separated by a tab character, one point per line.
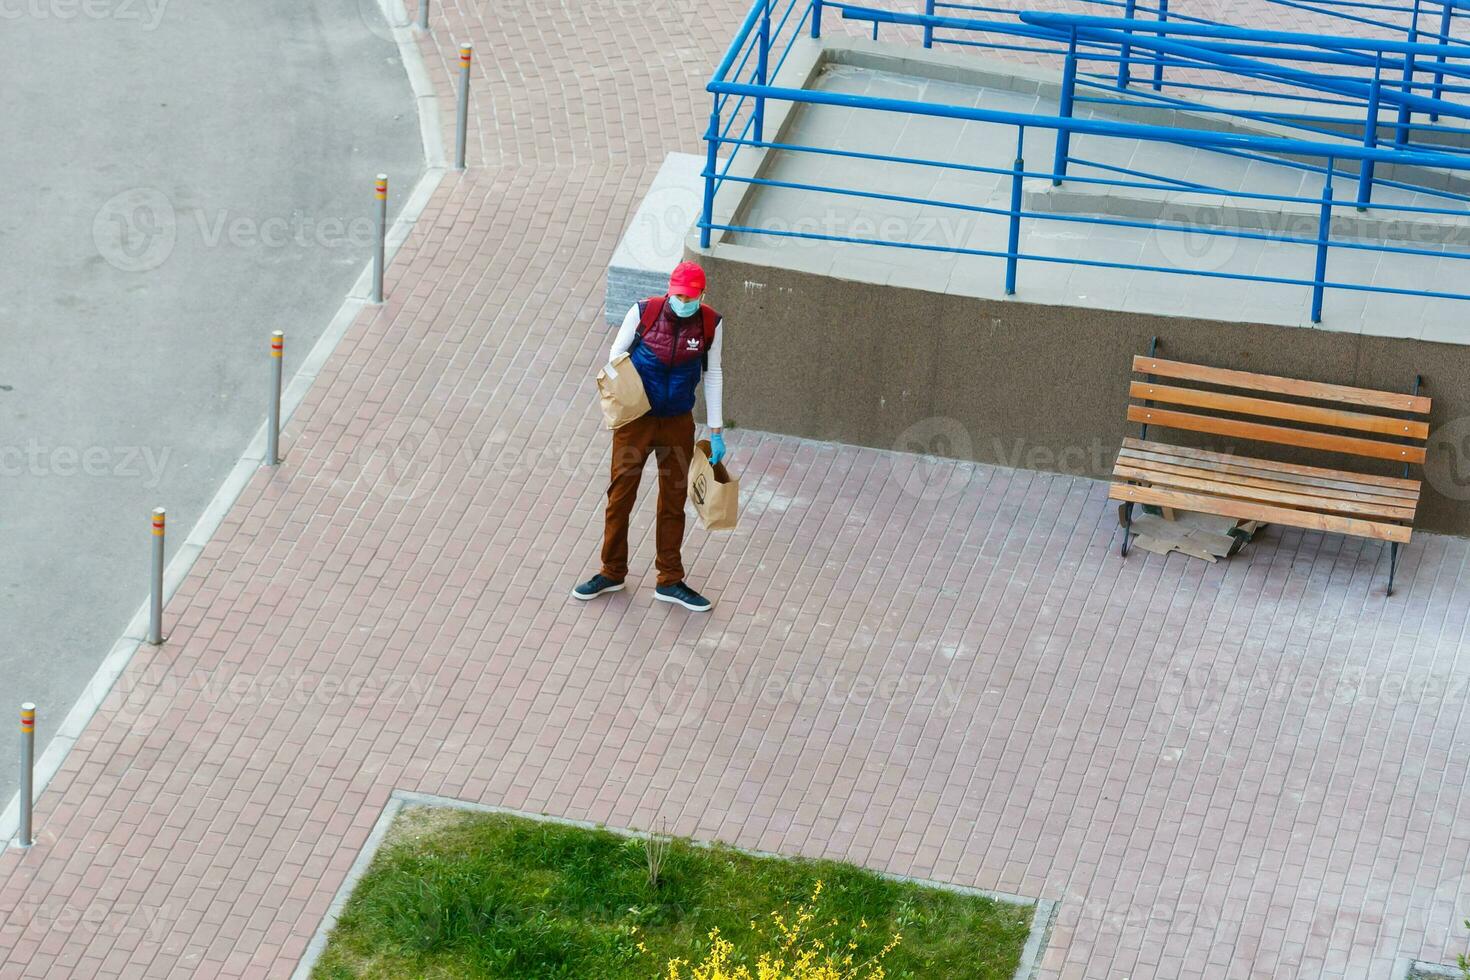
937	669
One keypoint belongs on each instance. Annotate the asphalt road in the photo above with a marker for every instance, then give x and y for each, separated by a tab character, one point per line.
180	178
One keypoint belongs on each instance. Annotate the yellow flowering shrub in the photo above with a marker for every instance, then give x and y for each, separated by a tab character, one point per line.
799	946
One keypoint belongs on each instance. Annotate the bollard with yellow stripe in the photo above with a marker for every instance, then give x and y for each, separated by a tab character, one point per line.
380	233
273	413
462	114
24	836
155	589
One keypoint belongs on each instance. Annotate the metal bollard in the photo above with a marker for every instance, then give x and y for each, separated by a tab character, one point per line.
273	432
379	256
423	15
155	605
462	132
27	768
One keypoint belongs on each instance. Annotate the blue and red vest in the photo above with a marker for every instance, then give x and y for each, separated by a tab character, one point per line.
670	354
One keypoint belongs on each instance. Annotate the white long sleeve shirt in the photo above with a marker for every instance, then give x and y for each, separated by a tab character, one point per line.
714	377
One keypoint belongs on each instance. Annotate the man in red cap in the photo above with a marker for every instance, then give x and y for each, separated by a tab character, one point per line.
673	341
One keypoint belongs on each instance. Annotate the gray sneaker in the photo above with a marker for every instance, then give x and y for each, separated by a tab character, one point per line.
596	586
682	595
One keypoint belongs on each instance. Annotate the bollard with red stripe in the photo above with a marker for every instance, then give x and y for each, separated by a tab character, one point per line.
380	191
273	421
27	770
462	127
155	595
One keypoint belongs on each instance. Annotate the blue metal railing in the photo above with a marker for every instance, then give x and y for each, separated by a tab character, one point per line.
1329	67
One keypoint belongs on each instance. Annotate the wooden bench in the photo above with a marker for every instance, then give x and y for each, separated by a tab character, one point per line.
1178	395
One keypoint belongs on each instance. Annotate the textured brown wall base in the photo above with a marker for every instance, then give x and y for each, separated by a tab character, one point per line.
1038	387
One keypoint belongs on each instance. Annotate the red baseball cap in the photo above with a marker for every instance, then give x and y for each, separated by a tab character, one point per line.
687	279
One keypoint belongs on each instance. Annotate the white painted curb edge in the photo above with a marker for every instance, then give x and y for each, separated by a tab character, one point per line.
1041	921
117	659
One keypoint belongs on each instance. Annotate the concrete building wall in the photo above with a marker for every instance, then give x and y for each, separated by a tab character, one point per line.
1039	387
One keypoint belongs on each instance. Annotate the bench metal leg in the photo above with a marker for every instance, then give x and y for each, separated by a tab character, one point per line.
1125	510
1393	561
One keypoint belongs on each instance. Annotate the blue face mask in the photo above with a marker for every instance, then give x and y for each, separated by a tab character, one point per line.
683	309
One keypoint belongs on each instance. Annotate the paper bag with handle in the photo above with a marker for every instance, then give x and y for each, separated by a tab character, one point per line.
713	491
621	392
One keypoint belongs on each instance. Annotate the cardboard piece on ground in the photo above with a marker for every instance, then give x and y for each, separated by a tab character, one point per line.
1203	536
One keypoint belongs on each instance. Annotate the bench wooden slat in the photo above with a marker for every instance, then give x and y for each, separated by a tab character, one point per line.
1242	491
1244	510
1244	469
1268	408
1321	391
1167	468
1351	445
1295	469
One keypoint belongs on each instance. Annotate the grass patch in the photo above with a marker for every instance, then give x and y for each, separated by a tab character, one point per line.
457	894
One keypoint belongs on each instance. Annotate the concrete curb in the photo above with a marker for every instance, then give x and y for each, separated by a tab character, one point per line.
1041	922
1407	969
97	688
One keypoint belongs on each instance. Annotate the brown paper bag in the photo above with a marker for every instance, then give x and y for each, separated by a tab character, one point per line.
713	491
621	392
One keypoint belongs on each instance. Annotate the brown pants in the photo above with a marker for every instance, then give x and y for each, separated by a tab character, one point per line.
671	441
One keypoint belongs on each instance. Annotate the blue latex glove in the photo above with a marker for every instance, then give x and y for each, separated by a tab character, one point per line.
716	447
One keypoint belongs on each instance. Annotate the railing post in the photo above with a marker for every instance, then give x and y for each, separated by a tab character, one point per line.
1013	237
712	138
1444	38
25	837
762	68
1370	135
1324	231
1064	109
1125	50
1159	54
929	28
816	18
1406	115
